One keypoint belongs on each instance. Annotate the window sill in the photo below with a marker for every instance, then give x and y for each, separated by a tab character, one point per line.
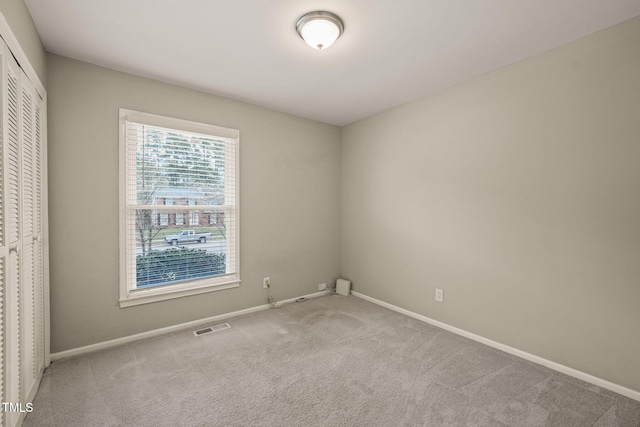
149	295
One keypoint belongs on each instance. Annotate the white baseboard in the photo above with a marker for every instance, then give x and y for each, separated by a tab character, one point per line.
131	338
632	394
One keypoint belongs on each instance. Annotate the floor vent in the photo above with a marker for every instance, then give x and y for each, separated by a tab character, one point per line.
211	329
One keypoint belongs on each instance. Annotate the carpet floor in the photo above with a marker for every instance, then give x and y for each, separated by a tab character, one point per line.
328	361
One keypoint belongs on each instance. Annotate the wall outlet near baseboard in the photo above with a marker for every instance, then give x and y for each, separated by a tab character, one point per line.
322	286
439	295
266	282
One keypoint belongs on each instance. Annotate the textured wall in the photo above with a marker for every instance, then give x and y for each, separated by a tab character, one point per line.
518	193
289	195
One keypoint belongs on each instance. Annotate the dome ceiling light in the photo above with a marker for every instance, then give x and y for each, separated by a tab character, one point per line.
320	29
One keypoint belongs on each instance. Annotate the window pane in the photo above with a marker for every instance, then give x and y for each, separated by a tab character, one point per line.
176	265
167	252
178	168
180	210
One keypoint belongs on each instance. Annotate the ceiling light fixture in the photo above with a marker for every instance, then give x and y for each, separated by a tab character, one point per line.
320	29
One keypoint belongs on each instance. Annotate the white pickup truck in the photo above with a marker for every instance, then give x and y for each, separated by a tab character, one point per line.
187	236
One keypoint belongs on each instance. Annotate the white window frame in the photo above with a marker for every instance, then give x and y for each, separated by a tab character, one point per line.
131	296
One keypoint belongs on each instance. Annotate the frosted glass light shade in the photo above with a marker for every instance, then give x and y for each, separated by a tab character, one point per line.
320	29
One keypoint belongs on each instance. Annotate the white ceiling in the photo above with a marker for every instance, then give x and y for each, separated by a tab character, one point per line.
391	52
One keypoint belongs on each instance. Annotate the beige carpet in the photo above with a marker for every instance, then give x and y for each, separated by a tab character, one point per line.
330	361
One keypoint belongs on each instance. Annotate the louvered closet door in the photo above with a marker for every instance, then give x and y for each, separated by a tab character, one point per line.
22	323
13	235
3	248
38	230
27	279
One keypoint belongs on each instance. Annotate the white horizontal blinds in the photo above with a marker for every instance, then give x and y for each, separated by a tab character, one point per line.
231	180
179	181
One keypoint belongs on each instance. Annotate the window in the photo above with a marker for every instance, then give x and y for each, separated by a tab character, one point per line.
179	214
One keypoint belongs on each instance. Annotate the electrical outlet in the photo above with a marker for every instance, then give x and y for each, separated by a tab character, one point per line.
322	286
266	282
439	295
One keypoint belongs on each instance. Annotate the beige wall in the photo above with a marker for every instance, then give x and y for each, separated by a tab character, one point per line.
518	193
290	202
17	15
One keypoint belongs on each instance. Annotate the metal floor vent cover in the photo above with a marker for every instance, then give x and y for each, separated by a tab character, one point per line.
211	329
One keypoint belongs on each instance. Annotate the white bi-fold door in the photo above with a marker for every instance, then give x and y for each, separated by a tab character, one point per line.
22	348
